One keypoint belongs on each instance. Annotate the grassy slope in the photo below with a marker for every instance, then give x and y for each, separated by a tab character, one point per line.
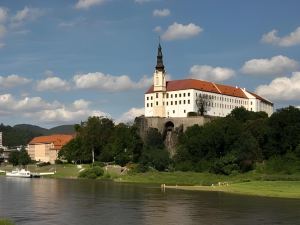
282	189
5	222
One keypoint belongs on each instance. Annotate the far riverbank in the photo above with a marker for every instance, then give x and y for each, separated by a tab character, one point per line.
252	183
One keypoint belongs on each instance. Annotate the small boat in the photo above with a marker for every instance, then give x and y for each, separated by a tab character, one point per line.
19	173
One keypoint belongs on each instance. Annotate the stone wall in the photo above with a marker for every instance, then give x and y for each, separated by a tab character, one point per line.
170	128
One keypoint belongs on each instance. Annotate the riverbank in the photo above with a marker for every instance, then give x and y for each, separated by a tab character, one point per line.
280	189
5	222
251	183
267	185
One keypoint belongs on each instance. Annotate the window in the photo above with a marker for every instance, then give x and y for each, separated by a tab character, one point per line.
175	102
179	95
167	95
156	95
189	94
250	103
184	111
188	101
156	103
173	111
167	103
151	97
147	98
183	101
171	96
147	104
171	102
151	104
175	95
163	103
180	102
183	94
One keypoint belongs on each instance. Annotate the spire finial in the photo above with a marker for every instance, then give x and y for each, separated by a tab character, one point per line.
159	63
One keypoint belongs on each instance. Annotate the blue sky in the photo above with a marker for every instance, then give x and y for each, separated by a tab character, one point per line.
62	61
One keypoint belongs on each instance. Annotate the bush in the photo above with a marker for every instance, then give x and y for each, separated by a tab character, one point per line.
92	173
58	161
6	222
41	164
192	114
287	164
96	163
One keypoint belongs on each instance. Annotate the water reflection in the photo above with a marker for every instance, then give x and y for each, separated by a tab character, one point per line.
49	201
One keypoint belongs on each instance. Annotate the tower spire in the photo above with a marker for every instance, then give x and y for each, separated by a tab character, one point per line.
159	62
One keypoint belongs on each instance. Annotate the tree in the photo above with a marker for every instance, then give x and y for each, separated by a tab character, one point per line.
24	158
204	103
14	157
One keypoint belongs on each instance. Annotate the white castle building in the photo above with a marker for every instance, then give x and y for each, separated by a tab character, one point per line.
178	97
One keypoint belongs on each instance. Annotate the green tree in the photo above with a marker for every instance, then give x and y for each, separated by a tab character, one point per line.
24	158
203	102
14	157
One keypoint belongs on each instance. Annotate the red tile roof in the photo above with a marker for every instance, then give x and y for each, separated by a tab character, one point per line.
201	85
58	140
260	98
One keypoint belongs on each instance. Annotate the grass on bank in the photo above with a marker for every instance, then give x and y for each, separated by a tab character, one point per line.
282	189
5	222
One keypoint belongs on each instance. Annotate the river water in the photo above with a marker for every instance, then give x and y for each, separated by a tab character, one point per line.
52	201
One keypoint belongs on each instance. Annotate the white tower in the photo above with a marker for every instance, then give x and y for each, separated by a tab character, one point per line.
159	86
1	144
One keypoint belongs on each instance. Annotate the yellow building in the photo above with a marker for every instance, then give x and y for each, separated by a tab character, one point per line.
46	148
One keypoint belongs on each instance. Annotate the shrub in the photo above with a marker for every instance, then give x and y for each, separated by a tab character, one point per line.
58	161
41	164
92	173
5	222
192	114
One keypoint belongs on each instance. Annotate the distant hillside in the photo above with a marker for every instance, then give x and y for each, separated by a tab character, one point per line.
63	129
22	134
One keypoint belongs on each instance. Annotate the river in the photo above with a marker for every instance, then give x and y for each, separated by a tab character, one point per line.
60	201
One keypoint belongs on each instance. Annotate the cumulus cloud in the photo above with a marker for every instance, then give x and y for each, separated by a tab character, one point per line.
47	112
157	29
13	81
205	72
3	14
274	66
24	15
86	4
53	83
161	12
181	31
291	39
107	82
282	88
143	1
130	115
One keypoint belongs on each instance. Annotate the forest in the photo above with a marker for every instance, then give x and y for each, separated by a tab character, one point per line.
237	143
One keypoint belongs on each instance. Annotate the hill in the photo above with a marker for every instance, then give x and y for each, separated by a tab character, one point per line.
21	134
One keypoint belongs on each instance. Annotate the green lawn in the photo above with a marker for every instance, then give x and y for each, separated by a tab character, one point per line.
282	189
5	222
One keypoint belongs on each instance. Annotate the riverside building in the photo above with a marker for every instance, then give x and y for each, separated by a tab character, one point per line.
178	97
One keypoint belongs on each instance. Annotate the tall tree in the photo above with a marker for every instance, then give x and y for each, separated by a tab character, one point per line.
204	103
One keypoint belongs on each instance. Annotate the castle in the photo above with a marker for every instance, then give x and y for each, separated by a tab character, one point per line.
175	99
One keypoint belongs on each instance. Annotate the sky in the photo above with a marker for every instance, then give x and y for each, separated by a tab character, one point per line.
62	61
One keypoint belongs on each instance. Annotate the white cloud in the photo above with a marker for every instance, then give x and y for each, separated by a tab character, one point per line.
157	29
291	39
13	81
130	115
86	4
161	12
24	15
46	112
181	31
209	73
2	31
107	82
274	66
52	83
143	1
282	88
3	14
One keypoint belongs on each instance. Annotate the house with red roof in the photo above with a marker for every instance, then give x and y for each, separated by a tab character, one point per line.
178	97
46	148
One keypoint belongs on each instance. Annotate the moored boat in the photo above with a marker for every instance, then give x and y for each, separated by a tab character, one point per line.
19	173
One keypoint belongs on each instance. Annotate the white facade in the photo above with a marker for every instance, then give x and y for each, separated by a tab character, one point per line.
1	143
179	103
